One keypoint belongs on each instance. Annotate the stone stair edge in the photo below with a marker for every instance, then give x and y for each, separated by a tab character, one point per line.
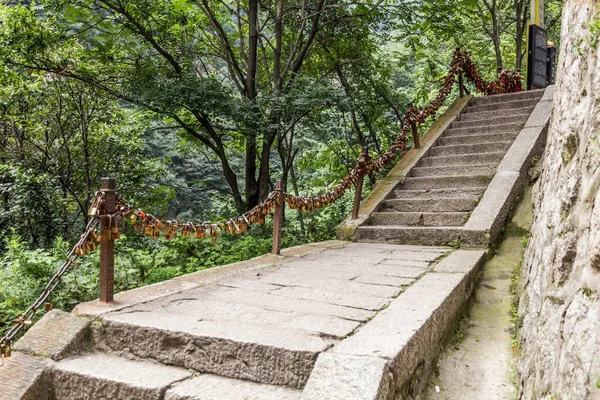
149	380
380	360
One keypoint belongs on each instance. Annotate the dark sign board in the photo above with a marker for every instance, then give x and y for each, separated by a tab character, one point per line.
537	58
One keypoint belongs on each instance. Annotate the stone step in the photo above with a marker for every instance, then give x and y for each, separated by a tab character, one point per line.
430	204
212	387
477	169
498	98
504	105
468	149
476	139
486	115
418	235
419	218
234	349
101	376
511	127
447	182
436	194
520	119
462	159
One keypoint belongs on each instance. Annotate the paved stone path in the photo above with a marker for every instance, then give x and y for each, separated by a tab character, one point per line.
268	326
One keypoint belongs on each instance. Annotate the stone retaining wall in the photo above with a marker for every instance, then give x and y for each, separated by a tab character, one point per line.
560	304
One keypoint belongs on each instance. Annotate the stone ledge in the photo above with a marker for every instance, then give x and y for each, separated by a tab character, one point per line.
347	229
343	377
23	377
381	359
485	223
57	335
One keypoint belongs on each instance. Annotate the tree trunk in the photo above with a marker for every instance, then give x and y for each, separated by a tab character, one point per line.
295	187
252	192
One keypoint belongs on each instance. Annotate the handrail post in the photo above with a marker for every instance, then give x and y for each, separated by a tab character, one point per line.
359	186
461	85
107	244
278	218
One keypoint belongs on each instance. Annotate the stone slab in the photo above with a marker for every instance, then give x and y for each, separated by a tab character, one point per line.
100	376
348	266
282	278
233	349
461	262
529	143
384	280
391	331
422	235
395	268
212	387
373	258
355	276
212	310
548	93
240	296
403	271
352	300
57	335
22	377
540	115
385	248
344	377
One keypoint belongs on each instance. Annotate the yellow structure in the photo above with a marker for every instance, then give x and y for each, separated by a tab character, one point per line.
537	13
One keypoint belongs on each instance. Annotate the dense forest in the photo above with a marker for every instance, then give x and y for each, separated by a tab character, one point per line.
197	107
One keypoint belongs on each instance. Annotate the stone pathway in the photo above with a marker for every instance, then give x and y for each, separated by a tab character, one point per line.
483	364
253	334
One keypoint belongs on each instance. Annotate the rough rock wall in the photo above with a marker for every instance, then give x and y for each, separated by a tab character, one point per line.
560	304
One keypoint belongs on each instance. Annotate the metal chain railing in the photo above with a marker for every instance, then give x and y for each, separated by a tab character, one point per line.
109	210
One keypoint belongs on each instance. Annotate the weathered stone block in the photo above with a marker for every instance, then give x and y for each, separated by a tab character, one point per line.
234	349
23	377
461	261
57	335
343	377
212	387
108	377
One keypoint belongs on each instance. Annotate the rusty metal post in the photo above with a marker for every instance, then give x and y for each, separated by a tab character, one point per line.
278	218
461	85
415	133
359	187
107	245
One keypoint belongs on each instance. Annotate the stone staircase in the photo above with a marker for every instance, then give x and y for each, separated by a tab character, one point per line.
439	194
